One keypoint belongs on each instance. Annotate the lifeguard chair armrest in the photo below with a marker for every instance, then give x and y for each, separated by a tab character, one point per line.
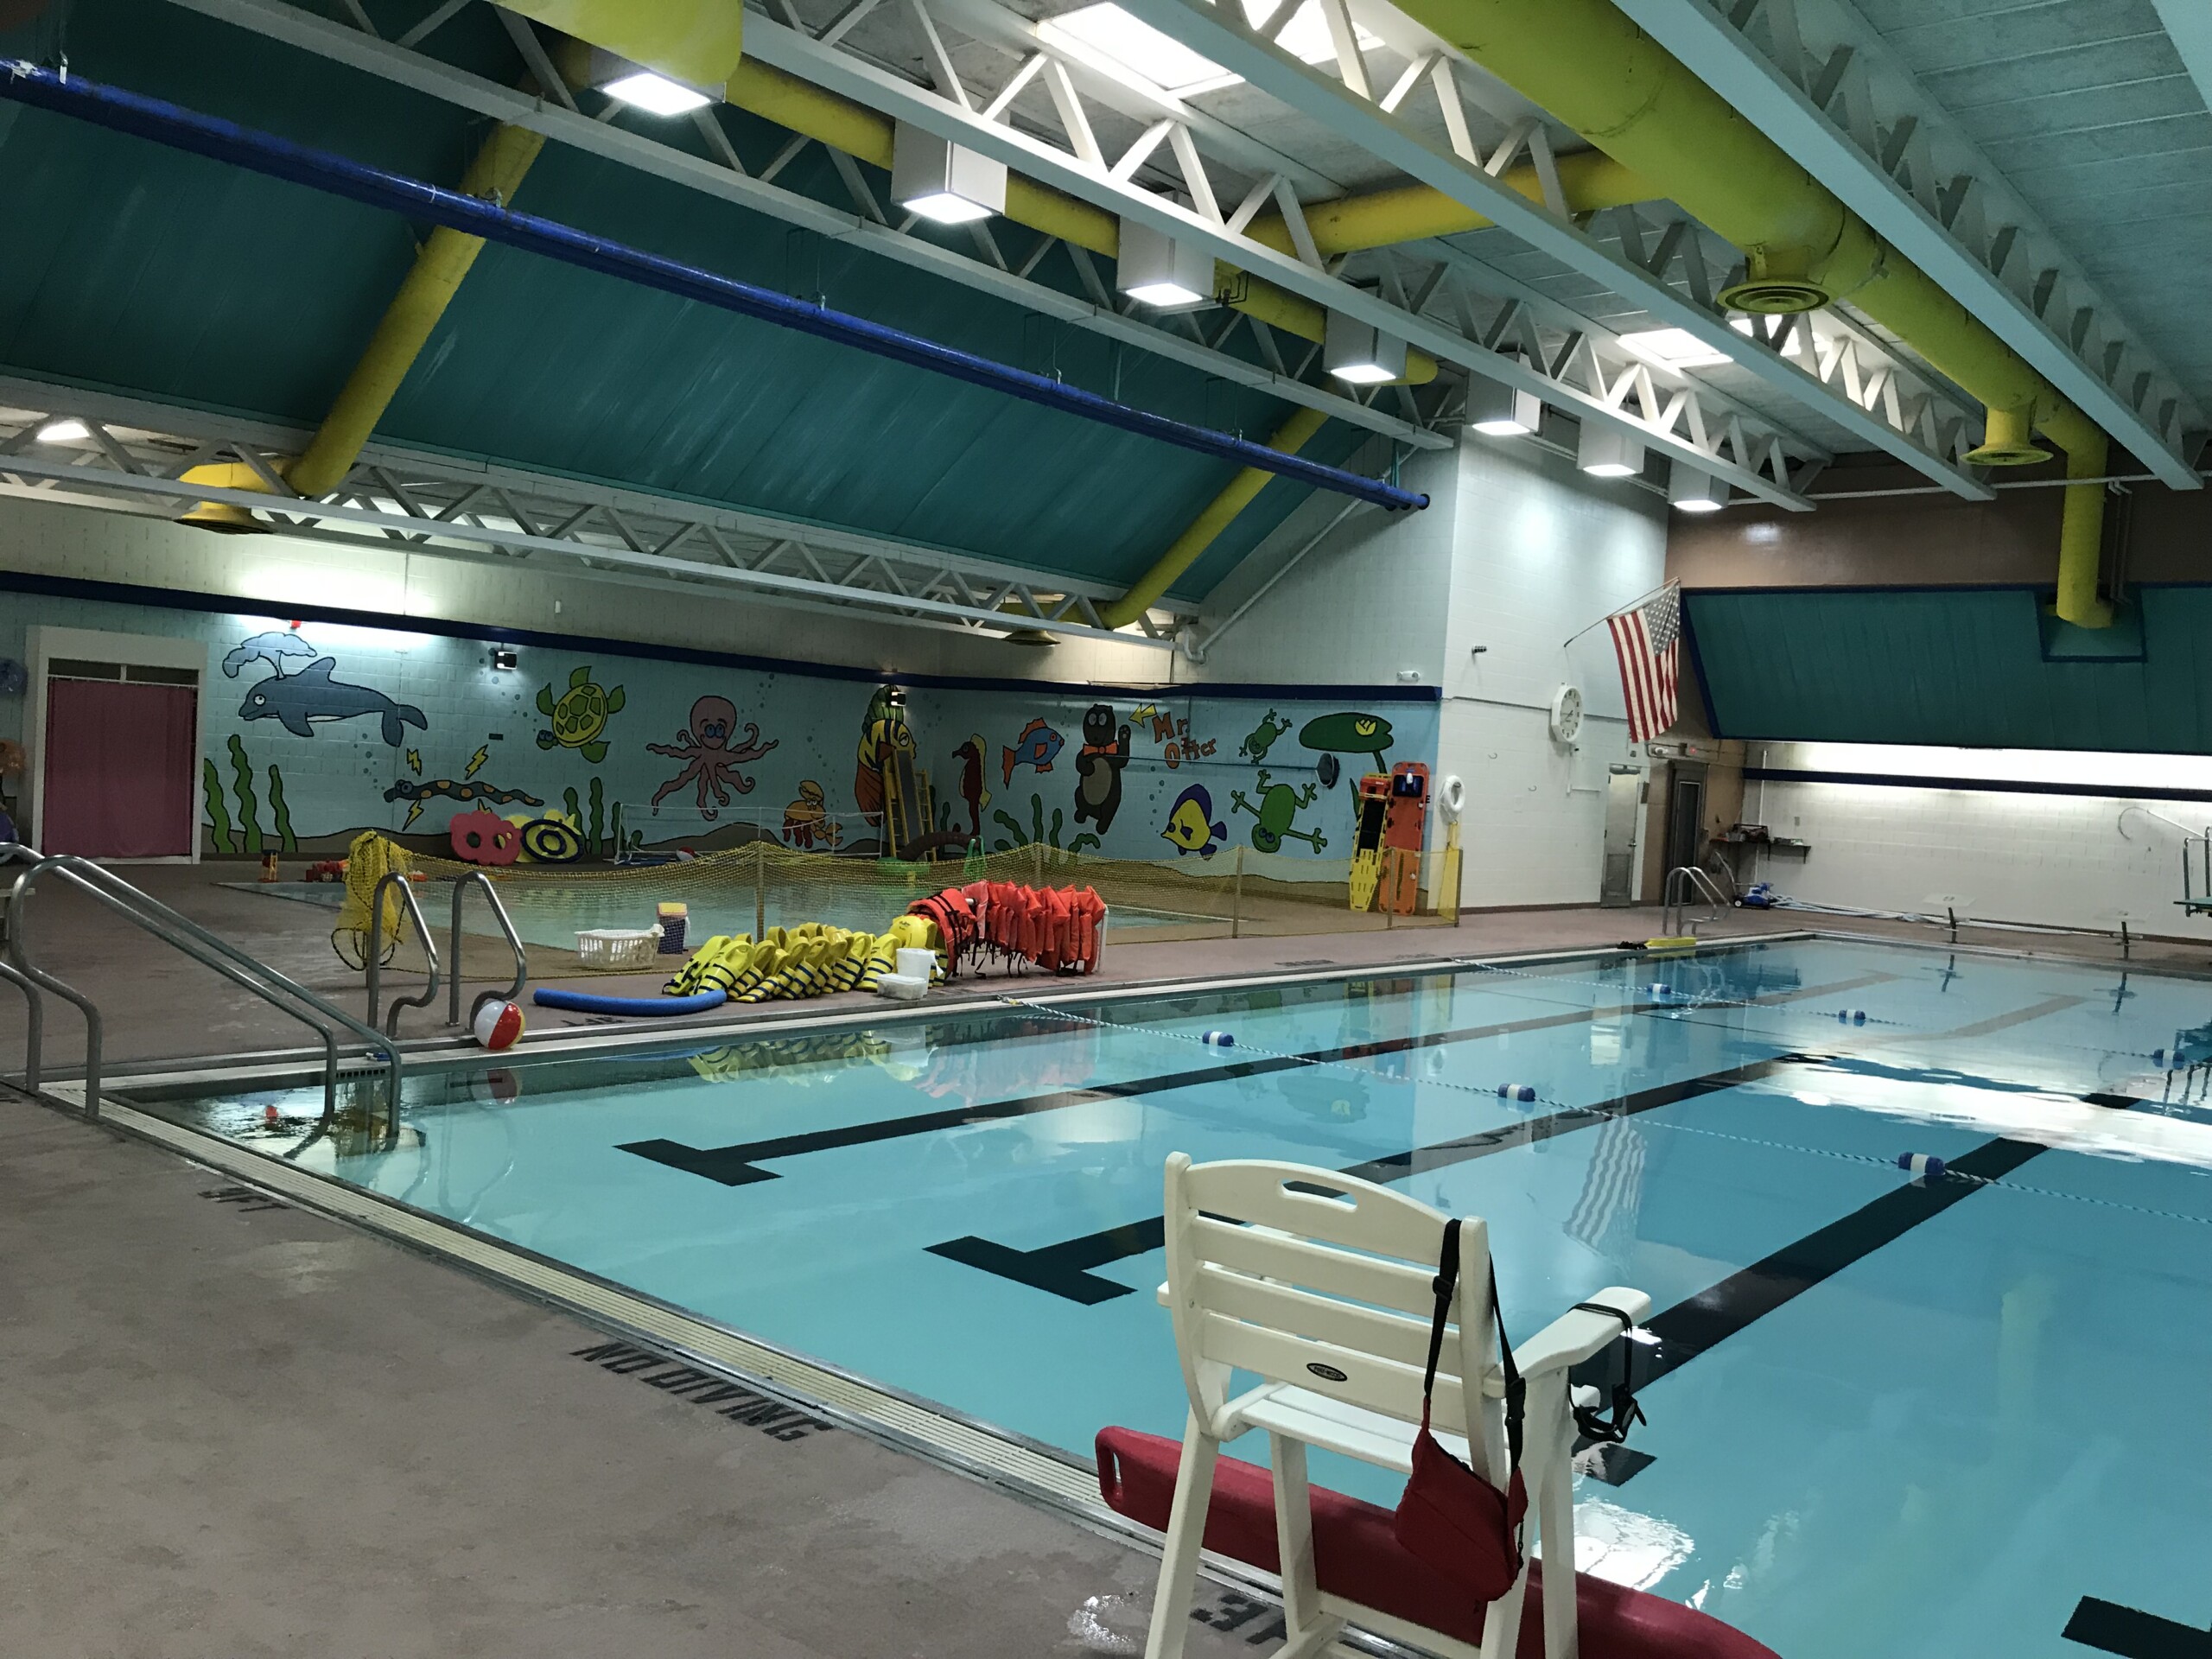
1579	1333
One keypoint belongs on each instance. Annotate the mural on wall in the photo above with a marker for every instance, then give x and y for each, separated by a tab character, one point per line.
807	823
711	759
779	741
1279	805
1035	748
1098	767
884	736
973	756
580	714
1192	825
300	701
1344	733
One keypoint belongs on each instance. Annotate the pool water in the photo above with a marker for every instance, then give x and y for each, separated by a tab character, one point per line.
1896	1419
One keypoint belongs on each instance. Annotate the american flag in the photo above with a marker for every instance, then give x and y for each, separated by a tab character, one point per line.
1648	640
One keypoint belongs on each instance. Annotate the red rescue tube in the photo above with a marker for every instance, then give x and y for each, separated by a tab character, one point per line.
1356	1555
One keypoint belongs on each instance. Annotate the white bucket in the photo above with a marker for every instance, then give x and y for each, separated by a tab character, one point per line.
917	964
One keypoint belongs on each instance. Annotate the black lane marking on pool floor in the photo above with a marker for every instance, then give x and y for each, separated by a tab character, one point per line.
2110	1628
740	1165
1065	1268
741	1405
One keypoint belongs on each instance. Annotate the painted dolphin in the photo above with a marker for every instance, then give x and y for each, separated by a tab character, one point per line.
272	648
299	700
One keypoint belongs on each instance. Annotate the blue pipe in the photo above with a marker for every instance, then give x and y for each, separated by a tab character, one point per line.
339	175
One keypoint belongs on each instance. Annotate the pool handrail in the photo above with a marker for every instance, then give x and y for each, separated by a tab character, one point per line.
1687	884
461	886
373	956
187	936
13	852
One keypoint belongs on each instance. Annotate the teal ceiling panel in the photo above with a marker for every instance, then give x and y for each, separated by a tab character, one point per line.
1959	667
137	269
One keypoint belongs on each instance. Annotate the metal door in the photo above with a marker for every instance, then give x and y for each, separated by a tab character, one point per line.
1624	805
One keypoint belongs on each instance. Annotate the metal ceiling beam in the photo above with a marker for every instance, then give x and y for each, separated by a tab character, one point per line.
415	500
1215	32
867	83
339	43
1889	131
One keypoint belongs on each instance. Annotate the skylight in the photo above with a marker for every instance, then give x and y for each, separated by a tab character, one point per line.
1305	37
1137	46
1674	348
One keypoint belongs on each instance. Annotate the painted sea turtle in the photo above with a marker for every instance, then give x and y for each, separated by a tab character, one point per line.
580	718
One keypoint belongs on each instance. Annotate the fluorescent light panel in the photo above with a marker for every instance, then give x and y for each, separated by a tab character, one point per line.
1161	270
655	94
1498	410
1692	489
1159	60
1359	354
68	429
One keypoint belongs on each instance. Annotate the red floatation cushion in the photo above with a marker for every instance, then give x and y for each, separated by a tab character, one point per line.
1356	1555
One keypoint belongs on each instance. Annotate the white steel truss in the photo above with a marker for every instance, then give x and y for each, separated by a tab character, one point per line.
1907	419
1820	80
134	454
864	223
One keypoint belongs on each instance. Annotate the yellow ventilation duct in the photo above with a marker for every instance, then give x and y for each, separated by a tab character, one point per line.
696	42
1586	64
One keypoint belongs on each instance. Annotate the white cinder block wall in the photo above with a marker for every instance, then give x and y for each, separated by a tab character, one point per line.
1541	552
2065	860
1517	551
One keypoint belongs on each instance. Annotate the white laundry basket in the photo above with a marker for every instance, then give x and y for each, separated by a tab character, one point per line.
618	948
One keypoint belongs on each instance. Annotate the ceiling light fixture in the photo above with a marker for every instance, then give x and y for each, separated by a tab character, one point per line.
1692	489
942	182
1359	354
1115	42
68	429
1607	452
656	94
1498	410
1674	348
1162	270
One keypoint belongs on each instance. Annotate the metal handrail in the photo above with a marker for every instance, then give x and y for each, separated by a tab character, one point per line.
33	1000
375	953
210	950
1685	882
461	886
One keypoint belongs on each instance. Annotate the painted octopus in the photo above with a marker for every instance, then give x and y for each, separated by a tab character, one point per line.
709	758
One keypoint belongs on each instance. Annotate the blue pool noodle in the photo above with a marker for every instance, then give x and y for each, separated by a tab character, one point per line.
585	1003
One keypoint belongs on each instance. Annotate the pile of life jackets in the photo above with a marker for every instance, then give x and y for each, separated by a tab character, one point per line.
1057	929
788	964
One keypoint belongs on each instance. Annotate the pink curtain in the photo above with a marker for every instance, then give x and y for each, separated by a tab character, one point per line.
120	760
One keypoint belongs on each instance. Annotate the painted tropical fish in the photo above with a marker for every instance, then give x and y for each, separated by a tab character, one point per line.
1036	747
271	648
1192	825
301	700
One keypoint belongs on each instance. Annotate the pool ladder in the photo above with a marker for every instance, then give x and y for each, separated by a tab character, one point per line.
338	1029
374	952
1688	885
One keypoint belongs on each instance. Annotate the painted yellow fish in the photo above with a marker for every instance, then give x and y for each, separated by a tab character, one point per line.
415	761
1190	824
476	761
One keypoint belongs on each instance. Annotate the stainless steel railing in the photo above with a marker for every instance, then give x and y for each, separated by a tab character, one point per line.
374	954
186	935
1686	883
477	878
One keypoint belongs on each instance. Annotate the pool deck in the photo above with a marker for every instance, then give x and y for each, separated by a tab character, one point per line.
238	1429
161	1006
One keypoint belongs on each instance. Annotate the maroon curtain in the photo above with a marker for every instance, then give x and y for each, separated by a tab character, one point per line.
120	760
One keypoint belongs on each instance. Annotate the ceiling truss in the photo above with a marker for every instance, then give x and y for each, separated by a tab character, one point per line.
134	454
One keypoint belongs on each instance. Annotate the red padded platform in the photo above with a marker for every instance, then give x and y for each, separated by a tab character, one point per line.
1355	1556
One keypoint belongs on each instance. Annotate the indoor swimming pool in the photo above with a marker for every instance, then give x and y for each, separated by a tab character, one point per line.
1894	1417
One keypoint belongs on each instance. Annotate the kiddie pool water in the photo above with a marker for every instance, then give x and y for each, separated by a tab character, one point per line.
1900	1420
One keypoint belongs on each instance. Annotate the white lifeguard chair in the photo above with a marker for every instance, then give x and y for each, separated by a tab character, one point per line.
1322	1285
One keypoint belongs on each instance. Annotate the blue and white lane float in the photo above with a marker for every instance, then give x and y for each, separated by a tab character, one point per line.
548	996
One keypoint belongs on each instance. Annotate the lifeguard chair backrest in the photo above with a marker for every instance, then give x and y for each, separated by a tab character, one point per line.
1304	1276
